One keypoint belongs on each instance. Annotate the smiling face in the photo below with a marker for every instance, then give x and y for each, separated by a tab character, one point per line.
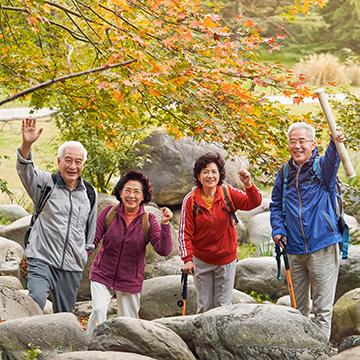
300	146
209	176
132	195
71	165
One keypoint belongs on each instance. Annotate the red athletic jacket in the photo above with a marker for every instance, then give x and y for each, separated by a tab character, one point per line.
211	236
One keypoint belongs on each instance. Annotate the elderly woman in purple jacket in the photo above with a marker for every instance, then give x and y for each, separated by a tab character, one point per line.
125	230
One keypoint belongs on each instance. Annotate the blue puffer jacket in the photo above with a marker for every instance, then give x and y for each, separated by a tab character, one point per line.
310	222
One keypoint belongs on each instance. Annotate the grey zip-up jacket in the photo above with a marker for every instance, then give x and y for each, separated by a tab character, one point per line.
58	235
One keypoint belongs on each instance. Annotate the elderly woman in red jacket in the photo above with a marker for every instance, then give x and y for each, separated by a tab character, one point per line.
125	230
207	235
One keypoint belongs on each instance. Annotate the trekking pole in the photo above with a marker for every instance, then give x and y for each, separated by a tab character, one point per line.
345	159
288	274
182	302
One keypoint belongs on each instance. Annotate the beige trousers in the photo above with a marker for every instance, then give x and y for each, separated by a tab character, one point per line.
127	305
315	277
213	283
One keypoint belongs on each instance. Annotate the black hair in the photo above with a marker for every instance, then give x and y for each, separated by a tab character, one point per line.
203	161
137	176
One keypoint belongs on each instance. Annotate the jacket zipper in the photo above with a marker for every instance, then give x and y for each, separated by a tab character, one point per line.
118	262
67	232
300	209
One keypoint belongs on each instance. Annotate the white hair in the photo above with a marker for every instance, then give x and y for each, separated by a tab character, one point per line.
302	125
68	144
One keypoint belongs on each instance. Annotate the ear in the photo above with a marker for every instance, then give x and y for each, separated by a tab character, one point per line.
58	161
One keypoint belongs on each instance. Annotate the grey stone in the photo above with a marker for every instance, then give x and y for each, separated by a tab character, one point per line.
11	282
16	230
259	274
12	212
15	304
170	165
101	355
141	337
53	334
350	354
346	316
251	332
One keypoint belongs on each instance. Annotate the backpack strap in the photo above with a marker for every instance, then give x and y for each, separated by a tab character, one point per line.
285	176
228	200
90	192
145	223
110	216
194	204
45	193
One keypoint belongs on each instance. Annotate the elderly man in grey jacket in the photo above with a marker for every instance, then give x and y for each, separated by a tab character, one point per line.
64	229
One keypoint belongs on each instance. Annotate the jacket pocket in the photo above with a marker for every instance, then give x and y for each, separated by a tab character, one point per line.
327	218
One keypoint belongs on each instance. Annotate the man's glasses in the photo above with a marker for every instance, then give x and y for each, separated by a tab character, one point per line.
301	142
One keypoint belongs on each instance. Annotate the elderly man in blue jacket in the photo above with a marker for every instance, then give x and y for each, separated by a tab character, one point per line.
304	219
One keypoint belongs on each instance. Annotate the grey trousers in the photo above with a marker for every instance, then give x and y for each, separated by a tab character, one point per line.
63	285
213	283
315	276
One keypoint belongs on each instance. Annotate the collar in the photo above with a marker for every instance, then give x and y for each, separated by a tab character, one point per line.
61	183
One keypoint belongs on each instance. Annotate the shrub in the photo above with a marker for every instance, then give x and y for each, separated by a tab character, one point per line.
320	69
353	73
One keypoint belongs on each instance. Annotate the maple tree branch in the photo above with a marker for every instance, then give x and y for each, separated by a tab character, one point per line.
66	10
82	32
88	21
63	78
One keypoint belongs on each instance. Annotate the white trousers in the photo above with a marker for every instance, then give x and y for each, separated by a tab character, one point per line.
315	276
127	305
213	283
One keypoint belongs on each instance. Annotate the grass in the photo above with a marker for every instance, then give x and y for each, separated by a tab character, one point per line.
44	150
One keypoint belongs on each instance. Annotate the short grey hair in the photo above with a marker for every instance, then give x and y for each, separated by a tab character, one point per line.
302	125
75	144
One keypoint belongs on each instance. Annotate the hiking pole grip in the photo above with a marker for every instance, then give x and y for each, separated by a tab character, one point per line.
345	159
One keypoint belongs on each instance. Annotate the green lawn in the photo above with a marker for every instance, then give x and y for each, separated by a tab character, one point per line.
44	149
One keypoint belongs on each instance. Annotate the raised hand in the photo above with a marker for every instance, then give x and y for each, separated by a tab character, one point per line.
29	132
245	178
166	215
29	136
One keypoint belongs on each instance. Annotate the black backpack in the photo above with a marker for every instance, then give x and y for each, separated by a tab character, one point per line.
46	191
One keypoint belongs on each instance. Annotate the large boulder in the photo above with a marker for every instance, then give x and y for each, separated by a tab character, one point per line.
141	337
346	316
350	354
170	266
16	230
160	295
15	304
12	212
10	256
249	332
171	162
259	274
100	355
11	282
259	233
53	334
349	272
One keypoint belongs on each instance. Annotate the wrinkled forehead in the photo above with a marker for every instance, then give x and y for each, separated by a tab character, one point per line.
73	152
300	134
133	185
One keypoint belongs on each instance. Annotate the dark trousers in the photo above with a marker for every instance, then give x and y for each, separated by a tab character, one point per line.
63	285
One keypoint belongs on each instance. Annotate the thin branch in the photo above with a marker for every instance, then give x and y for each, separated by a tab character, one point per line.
63	78
82	32
86	20
68	10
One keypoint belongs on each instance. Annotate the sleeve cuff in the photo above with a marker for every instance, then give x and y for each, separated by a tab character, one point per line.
22	160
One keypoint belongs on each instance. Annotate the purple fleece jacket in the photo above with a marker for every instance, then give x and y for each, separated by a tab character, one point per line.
120	262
